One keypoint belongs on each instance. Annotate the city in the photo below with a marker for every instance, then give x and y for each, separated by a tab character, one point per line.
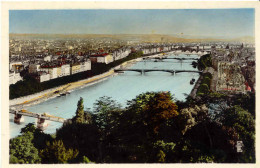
132	97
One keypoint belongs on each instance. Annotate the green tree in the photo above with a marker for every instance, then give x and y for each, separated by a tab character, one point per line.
39	137
29	128
244	124
105	112
204	62
56	152
106	118
22	149
81	136
80	115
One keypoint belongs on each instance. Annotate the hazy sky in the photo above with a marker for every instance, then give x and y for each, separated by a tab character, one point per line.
197	22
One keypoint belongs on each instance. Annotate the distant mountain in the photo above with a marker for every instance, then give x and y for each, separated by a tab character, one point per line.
138	37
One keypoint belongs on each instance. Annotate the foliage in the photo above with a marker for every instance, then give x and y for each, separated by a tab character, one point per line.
191	116
104	110
153	108
159	109
39	138
56	152
22	149
80	136
163	151
161	156
80	115
206	159
29	128
204	62
85	160
244	124
22	88
204	87
151	129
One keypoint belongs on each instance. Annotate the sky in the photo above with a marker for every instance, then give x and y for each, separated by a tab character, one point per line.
189	22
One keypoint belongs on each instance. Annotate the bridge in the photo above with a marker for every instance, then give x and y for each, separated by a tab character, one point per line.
162	58
41	117
142	71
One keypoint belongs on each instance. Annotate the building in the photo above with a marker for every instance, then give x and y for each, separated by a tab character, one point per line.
121	53
14	77
43	76
75	68
230	78
51	70
16	66
59	74
47	58
65	70
85	66
102	58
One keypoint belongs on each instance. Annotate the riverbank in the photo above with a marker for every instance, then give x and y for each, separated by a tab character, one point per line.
54	92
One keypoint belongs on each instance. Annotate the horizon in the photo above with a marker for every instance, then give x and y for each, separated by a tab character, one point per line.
191	37
208	23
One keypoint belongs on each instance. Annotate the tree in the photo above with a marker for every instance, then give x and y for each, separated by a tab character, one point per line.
159	109
153	109
29	128
80	115
22	149
81	136
39	137
103	109
244	124
139	127
106	118
162	151
56	152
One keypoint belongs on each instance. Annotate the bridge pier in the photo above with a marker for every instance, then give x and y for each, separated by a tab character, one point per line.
41	123
18	118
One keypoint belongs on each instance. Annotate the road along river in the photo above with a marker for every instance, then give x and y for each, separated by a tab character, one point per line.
122	87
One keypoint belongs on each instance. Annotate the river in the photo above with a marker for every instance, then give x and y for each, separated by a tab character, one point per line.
121	87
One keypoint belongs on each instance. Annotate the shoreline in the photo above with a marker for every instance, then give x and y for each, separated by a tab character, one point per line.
45	95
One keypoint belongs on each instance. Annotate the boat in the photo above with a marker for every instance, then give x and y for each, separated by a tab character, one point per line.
192	81
63	94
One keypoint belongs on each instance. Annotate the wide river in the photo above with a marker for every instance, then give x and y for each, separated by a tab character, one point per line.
121	87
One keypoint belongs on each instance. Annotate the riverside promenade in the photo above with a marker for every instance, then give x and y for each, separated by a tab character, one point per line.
212	85
54	92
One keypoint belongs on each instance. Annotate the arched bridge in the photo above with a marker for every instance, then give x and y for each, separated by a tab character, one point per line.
162	58
142	71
